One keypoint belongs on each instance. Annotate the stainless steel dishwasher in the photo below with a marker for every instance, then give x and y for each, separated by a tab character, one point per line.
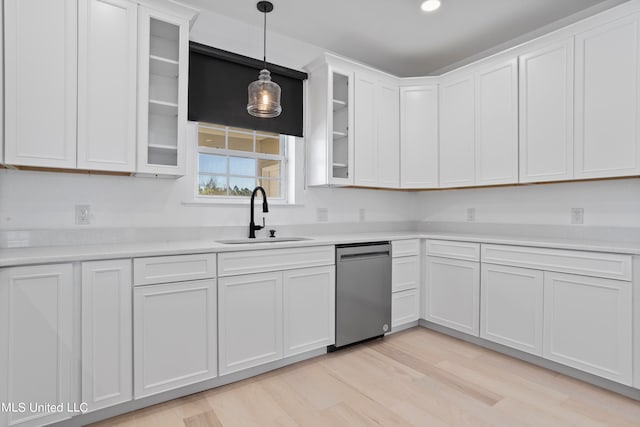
363	292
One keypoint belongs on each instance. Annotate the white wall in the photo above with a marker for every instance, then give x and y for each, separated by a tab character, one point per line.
239	37
613	203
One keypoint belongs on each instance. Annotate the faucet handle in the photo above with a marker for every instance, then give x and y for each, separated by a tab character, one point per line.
259	227
272	233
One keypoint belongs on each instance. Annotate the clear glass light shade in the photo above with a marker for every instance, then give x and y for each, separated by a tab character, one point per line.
264	97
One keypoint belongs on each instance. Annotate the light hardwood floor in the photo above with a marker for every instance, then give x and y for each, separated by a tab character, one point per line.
416	377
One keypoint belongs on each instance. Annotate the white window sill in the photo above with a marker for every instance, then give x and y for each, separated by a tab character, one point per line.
244	201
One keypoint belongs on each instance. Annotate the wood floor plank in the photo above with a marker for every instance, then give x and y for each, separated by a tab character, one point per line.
414	378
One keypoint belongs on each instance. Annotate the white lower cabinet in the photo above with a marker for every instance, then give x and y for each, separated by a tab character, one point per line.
452	296
309	309
107	351
250	320
175	335
36	343
405	277
265	317
587	324
405	307
511	307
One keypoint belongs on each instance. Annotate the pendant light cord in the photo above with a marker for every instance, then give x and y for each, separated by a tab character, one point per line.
264	39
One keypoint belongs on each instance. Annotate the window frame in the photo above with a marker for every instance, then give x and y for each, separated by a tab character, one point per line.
283	158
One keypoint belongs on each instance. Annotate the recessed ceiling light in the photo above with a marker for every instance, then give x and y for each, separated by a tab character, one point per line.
430	5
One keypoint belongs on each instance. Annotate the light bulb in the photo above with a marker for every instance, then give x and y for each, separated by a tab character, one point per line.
430	5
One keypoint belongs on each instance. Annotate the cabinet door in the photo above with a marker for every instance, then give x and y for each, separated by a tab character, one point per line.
405	273
405	307
250	316
511	307
309	309
457	132
419	137
365	131
174	335
107	55
388	119
546	113
340	118
36	350
163	49
497	124
452	296
607	93
40	46
107	351
587	324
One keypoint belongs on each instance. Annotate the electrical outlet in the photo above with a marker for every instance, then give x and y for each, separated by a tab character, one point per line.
322	214
471	214
83	214
363	214
577	215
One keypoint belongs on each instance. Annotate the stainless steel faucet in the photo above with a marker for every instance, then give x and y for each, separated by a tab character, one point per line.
265	208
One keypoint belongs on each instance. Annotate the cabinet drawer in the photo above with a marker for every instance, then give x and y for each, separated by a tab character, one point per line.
405	273
405	247
234	263
405	306
452	249
175	268
595	264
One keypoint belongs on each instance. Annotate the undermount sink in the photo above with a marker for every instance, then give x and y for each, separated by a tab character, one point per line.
262	240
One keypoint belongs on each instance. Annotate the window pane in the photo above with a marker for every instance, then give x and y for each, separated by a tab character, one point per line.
271	187
242	166
269	168
268	144
240	141
212	185
212	164
241	186
212	138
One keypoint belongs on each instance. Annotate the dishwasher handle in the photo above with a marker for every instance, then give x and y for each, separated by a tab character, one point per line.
364	255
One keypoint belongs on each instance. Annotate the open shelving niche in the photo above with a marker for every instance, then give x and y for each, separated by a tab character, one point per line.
163	93
340	131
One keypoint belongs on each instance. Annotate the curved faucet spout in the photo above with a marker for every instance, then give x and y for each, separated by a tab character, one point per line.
265	208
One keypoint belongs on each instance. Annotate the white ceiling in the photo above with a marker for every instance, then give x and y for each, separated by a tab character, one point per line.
395	36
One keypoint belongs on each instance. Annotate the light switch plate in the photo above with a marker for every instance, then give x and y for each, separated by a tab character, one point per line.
577	215
83	214
322	214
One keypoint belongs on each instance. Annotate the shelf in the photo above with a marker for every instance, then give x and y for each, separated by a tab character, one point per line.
163	147
339	105
340	165
163	66
163	108
340	134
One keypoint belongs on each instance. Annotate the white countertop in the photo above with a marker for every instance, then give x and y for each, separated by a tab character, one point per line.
55	254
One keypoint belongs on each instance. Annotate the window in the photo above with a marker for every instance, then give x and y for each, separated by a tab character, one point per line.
233	161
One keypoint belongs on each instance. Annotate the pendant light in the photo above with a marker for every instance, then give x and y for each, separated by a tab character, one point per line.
264	95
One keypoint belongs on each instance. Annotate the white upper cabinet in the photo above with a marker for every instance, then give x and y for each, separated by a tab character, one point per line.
546	113
163	50
107	55
419	136
330	125
457	131
366	141
377	133
388	120
40	82
607	93
497	123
